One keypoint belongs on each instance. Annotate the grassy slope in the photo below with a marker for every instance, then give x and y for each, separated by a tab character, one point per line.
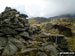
71	40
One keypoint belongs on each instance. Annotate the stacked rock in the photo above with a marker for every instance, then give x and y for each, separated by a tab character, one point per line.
59	40
13	23
13	27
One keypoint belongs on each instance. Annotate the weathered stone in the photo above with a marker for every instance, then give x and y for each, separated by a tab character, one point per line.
20	29
7	21
3	42
44	35
10	49
28	50
61	41
16	42
8	31
41	54
1	34
34	29
47	26
51	48
25	34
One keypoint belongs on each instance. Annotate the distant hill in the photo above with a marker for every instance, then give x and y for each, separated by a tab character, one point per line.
38	20
64	16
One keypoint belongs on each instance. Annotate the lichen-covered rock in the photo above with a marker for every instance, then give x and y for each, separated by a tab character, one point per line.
10	49
44	35
34	29
47	26
41	54
3	42
61	41
52	49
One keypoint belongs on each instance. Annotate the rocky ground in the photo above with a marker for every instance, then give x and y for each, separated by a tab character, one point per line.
66	22
19	38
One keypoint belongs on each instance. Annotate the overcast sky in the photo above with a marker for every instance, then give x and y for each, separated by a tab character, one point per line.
41	8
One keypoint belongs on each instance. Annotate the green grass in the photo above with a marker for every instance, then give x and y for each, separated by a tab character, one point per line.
71	42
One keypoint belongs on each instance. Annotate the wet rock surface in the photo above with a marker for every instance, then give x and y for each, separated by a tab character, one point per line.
18	37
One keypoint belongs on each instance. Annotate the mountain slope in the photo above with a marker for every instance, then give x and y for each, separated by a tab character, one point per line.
38	20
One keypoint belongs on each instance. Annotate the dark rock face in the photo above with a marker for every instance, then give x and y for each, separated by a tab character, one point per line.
16	36
63	29
61	41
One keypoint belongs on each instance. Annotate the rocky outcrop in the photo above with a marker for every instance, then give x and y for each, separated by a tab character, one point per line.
59	40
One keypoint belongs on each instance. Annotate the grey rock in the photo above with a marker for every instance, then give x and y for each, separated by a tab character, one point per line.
51	48
16	42
34	29
10	49
8	31
61	41
41	54
1	34
47	26
3	42
7	8
20	29
28	50
25	34
44	35
7	20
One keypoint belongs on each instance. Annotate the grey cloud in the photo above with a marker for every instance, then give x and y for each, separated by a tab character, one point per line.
64	7
47	8
55	8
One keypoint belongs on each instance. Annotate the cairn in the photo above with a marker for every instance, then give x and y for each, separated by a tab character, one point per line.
18	38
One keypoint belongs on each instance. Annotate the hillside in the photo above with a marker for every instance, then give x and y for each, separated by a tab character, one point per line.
38	20
65	20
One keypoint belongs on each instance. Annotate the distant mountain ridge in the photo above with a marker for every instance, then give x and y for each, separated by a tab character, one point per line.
38	20
64	16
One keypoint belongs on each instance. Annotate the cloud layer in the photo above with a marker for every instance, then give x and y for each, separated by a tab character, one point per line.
41	8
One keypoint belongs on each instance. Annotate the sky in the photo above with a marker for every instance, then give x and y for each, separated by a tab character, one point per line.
40	8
